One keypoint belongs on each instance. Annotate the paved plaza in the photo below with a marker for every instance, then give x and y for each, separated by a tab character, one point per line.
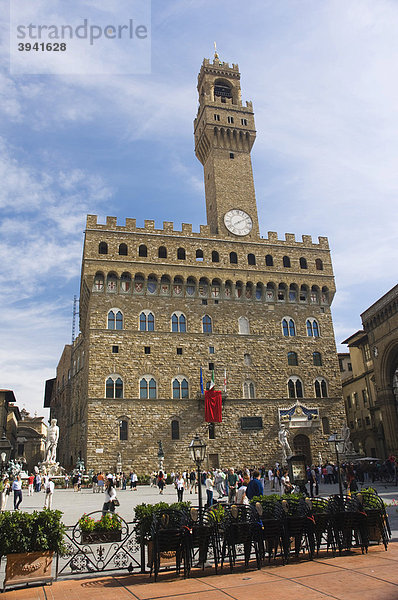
349	577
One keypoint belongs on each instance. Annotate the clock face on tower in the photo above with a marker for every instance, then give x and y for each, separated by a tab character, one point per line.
238	222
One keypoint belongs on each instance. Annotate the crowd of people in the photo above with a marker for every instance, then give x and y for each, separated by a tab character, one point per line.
231	485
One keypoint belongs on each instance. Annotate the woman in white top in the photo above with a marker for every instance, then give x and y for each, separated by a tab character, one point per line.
209	489
5	491
241	497
110	496
180	485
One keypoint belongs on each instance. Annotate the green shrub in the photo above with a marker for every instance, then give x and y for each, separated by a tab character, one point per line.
143	515
31	532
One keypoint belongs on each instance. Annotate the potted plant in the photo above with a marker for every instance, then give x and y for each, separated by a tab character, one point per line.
29	542
106	529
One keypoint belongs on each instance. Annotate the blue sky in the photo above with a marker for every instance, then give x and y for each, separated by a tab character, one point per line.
323	80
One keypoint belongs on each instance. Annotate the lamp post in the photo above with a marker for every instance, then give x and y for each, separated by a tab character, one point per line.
197	450
337	444
5	452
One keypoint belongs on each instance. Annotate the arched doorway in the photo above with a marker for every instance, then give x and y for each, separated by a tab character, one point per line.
301	445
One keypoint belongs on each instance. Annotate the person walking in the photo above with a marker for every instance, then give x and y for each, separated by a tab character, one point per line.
49	493
209	489
110	496
180	485
4	493
232	479
255	487
17	489
31	480
134	480
161	482
192	481
100	482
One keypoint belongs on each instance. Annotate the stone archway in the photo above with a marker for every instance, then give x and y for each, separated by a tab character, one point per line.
301	445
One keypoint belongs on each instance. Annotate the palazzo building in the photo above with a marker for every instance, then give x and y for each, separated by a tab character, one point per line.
370	389
158	304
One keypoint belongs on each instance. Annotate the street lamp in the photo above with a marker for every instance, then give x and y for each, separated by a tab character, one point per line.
197	449
5	451
337	444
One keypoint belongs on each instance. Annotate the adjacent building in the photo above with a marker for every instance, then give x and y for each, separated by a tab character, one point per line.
158	304
370	389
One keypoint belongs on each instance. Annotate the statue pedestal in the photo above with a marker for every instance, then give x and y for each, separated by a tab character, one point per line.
50	468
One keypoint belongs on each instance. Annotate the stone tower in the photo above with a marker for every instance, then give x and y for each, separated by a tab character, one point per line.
157	304
224	136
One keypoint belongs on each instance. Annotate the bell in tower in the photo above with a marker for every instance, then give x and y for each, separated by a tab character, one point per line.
224	136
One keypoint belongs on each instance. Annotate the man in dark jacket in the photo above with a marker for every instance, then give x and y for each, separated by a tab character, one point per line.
255	487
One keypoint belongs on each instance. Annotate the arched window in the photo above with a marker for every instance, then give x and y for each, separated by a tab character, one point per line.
251	259
319	264
143	250
303	263
222	89
259	291
206	324
203	287
178	322
162	252
180	387
181	254
292	359
123	430
212	431
115	319
248	390
233	258
199	255
215	257
114	387
147	321
325	295
98	283
178	286
288	327
139	283
228	290
111	283
317	359
147	387
103	248
286	261
123	249
312	328
238	289
269	261
295	387
321	390
244	326
175	430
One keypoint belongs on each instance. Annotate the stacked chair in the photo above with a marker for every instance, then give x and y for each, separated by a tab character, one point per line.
270	516
170	535
240	527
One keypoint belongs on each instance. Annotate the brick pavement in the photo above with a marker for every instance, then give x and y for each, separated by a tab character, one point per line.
350	577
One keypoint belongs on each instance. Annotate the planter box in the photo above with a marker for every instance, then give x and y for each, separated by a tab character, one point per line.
96	537
28	567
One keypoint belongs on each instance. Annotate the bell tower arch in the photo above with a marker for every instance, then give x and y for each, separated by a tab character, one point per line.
224	135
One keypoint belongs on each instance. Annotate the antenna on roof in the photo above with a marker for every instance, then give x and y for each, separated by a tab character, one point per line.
75	313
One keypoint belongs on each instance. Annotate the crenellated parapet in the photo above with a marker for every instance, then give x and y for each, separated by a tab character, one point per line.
149	228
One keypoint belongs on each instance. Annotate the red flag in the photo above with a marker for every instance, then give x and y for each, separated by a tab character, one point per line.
213	406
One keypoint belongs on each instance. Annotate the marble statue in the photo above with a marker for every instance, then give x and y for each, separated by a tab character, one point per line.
284	442
52	442
348	447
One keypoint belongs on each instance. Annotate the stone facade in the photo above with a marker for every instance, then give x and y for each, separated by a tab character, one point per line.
157	304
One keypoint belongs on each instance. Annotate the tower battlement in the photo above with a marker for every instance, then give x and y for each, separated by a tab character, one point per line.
204	232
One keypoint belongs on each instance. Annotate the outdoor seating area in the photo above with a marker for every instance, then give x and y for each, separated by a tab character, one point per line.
268	530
